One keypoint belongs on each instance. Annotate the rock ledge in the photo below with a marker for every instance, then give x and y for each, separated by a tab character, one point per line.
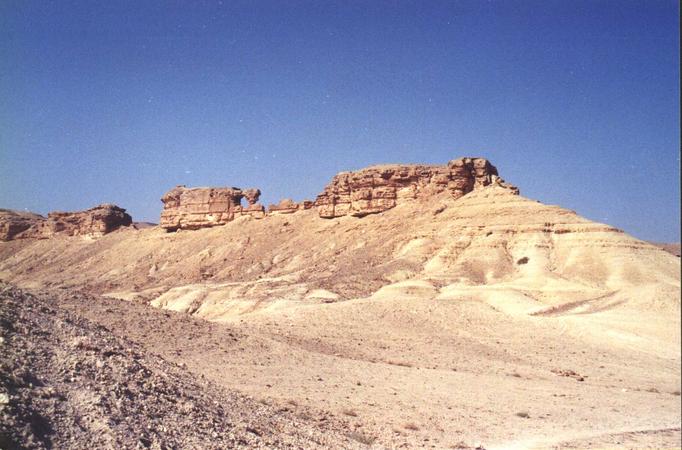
379	188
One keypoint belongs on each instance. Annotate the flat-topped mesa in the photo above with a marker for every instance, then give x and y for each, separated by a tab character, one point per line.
194	208
379	188
93	222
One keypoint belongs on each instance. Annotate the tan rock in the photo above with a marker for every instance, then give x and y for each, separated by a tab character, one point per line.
93	222
256	211
251	195
379	188
285	206
13	223
97	221
194	208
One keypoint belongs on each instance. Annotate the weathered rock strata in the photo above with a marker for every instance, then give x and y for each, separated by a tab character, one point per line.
13	223
93	222
194	208
379	188
288	206
367	191
97	221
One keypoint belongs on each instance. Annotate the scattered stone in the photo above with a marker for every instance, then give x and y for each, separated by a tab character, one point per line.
55	392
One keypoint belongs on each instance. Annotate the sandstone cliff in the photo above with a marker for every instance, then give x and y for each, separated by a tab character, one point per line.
13	223
194	208
367	191
97	221
288	206
379	188
93	222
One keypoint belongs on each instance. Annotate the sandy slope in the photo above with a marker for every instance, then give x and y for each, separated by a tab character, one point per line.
418	373
670	247
434	324
488	237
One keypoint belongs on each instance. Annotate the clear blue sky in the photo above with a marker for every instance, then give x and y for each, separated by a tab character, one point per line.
576	102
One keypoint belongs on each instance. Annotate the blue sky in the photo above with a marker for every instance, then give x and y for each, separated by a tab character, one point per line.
576	102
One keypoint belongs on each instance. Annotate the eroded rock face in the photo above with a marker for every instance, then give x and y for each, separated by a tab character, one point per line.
379	188
94	222
285	206
13	223
194	208
288	206
97	221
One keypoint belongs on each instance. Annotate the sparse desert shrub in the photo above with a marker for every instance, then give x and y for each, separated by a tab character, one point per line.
523	260
411	426
675	393
361	438
523	415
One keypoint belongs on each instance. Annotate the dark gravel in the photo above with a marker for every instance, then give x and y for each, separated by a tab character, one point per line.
66	382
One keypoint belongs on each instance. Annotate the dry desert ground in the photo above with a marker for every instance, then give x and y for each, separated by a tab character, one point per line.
487	321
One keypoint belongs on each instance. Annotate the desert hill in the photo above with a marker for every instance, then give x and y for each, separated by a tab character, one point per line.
431	305
670	247
490	239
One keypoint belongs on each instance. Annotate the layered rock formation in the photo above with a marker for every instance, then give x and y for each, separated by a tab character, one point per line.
13	223
379	188
94	222
288	206
97	221
367	191
194	208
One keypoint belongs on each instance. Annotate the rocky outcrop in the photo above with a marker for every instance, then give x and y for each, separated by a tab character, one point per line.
379	188
93	222
288	206
367	191
251	195
194	208
97	221
13	223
